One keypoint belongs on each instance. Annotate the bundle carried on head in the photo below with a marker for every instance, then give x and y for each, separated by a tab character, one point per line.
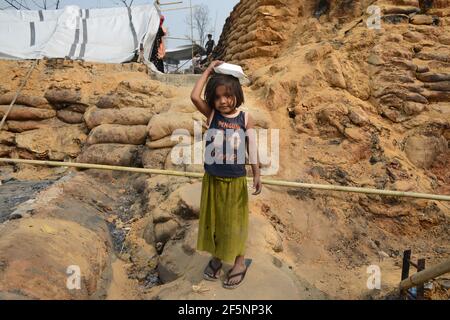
232	70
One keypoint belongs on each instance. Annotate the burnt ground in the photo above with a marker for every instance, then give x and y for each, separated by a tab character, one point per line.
14	192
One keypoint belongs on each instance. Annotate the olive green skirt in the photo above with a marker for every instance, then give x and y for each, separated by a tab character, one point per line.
223	224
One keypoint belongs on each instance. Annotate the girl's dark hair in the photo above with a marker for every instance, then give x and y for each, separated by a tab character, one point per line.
230	82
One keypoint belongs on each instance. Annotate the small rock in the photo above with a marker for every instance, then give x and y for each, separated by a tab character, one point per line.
149	233
164	231
355	134
15	216
375	60
199	289
47	229
141	275
161	216
373	245
445	283
277	262
441	250
382	255
125	257
358	116
189	204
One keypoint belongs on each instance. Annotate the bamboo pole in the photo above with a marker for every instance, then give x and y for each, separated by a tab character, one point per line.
264	181
425	275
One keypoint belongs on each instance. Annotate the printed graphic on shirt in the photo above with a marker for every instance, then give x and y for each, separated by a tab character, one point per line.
226	145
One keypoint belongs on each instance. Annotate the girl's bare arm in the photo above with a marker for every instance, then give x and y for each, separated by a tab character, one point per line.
196	94
253	155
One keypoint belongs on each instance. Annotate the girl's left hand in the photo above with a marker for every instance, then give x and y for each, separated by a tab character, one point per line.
257	184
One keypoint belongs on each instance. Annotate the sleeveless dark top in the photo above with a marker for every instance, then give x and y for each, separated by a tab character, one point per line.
225	147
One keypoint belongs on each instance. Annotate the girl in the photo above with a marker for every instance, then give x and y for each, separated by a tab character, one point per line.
223	224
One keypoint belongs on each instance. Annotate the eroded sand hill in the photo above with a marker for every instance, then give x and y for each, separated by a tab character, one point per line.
354	106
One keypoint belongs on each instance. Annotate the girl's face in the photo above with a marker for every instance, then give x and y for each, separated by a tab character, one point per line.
224	101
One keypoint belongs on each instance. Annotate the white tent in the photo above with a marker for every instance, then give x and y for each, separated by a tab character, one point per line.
111	35
184	52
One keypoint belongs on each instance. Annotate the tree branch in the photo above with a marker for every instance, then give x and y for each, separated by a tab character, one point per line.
11	4
23	6
37	5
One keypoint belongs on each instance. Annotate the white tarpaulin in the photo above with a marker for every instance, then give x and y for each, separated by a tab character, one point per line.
184	52
111	35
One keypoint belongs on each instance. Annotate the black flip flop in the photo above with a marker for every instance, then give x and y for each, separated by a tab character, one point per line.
234	286
216	272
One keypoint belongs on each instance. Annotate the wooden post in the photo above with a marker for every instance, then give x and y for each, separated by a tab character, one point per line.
421	287
405	270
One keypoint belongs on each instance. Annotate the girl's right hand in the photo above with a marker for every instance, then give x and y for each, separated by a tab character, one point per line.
214	64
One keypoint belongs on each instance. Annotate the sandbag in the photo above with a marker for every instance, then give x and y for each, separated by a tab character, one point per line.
18	153
31	101
129	116
54	143
20	112
155	158
21	126
7	138
163	125
110	101
60	95
166	142
110	154
116	133
147	87
184	106
69	116
80	108
124	100
189	158
5	150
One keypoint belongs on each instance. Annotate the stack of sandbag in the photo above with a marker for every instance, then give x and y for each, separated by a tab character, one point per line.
169	129
253	30
69	103
7	143
26	113
32	130
118	122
